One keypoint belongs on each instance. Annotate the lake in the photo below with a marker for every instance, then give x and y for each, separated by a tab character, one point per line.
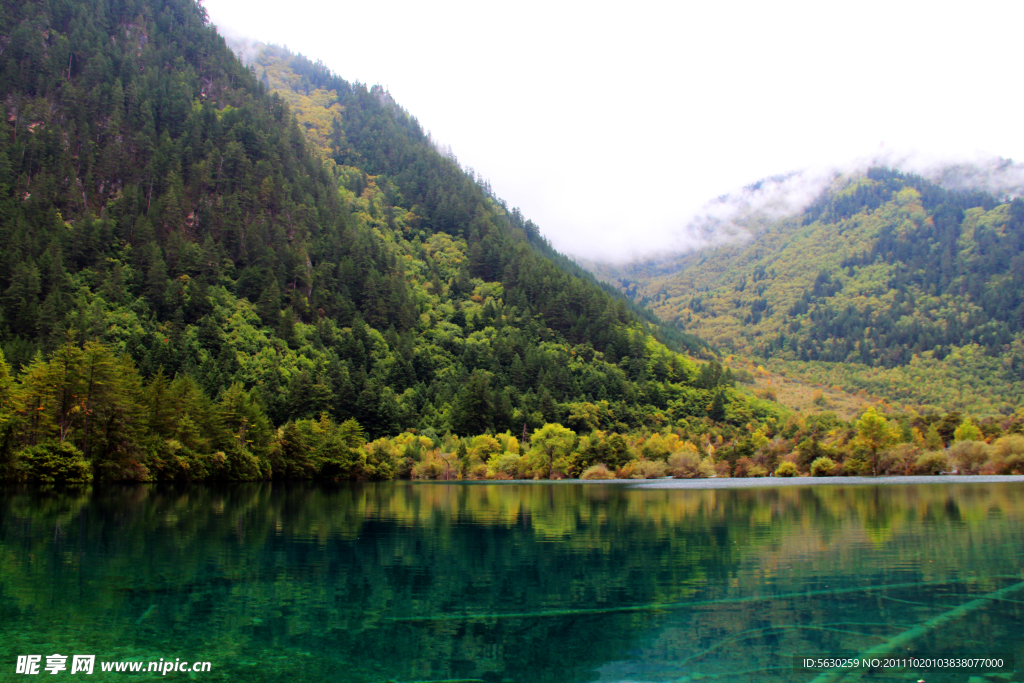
514	583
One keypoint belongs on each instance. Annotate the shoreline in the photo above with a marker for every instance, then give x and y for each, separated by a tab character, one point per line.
745	483
775	482
666	483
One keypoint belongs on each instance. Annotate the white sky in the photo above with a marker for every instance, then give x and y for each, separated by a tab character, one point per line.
611	124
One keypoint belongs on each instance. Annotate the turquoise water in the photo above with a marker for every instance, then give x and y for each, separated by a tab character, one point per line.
512	583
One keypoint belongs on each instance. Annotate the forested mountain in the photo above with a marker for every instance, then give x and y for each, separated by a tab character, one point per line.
195	265
888	283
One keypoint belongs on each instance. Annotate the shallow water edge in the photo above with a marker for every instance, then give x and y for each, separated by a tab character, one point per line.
774	482
743	483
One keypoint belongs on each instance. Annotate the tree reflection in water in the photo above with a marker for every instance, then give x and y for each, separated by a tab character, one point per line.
502	582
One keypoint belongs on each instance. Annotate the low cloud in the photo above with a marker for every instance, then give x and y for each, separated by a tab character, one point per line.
1000	177
245	48
735	216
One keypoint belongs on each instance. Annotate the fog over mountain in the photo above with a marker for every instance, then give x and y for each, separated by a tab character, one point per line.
729	217
611	128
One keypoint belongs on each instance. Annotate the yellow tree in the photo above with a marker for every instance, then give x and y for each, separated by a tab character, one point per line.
874	431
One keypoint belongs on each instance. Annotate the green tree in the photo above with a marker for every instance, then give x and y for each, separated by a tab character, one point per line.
463	457
291	456
474	407
716	411
552	441
244	421
967	431
8	412
613	451
351	434
338	460
53	462
947	426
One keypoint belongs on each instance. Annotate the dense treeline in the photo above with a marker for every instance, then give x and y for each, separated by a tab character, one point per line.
88	410
86	414
883	273
163	210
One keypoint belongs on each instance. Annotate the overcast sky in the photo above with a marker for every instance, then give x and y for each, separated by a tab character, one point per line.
611	124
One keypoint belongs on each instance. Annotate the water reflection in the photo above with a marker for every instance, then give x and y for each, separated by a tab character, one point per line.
576	582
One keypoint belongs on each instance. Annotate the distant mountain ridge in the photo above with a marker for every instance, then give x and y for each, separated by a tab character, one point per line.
735	216
886	282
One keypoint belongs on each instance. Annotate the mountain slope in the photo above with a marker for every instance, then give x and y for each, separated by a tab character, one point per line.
367	137
234	267
887	283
